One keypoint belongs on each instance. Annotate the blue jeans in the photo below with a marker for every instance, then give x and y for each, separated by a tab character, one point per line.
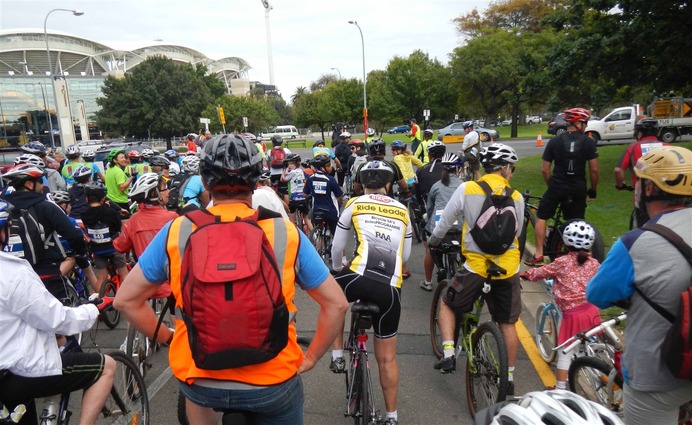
275	405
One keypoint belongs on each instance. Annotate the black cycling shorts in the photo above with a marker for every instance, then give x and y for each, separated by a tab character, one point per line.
573	203
388	299
504	298
301	205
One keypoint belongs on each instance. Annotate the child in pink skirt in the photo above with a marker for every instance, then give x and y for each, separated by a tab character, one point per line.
571	272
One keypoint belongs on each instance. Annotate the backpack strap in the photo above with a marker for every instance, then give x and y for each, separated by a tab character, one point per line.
488	191
678	243
265	213
202	217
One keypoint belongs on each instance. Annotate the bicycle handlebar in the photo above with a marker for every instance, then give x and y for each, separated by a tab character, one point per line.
103	304
581	337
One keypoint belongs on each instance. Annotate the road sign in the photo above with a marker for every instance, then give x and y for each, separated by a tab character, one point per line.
244	121
222	117
456	117
426	113
204	120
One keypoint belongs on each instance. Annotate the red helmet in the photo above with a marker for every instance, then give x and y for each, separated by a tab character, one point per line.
576	114
134	154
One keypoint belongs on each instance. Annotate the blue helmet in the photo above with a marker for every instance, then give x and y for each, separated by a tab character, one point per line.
5	209
398	144
34	147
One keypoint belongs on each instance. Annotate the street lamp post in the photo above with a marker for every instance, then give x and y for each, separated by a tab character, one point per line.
365	93
50	69
337	70
267	9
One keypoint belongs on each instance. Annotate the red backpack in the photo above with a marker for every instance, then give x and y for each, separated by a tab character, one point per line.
277	157
233	304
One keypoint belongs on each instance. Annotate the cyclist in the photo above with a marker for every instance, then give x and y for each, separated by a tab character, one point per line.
276	164
295	178
27	158
174	161
28	194
191	145
369	136
74	161
319	148
193	195
504	300
81	175
643	268
383	243
102	223
137	166
147	154
571	272
343	152
359	156
431	173
645	131
161	166
31	363
422	151
403	158
270	392
439	196
471	147
52	179
570	151
378	150
117	180
324	192
89	156
414	134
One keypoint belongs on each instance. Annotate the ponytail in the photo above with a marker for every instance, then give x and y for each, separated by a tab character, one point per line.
445	177
582	256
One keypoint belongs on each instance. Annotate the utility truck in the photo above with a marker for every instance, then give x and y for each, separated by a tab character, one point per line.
674	115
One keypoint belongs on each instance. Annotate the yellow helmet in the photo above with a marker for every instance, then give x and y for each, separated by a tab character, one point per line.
669	167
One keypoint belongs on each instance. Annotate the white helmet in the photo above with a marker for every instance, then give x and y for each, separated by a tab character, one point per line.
190	164
58	197
370	131
144	184
451	160
579	234
496	155
557	407
345	135
72	152
147	153
29	158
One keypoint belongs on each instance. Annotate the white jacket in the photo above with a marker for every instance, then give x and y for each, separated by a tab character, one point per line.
29	319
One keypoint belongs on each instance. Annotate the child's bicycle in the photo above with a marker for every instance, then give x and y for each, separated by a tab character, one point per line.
484	345
548	317
108	289
321	237
553	246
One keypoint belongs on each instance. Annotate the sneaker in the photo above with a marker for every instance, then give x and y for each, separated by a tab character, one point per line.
510	388
427	286
441	275
535	262
337	365
446	364
123	346
390	421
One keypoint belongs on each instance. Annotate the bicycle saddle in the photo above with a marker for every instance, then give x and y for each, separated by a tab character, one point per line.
364	307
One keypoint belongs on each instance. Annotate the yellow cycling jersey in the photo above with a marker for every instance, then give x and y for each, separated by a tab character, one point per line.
383	237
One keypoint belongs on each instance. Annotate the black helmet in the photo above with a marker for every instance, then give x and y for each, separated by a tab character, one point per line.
159	161
317	143
647	126
375	174
95	189
277	140
377	147
293	157
232	162
320	160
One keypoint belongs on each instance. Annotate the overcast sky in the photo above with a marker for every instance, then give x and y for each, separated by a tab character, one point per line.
309	37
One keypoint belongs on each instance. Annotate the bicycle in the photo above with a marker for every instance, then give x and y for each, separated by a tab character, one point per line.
594	373
360	401
553	245
548	317
108	289
416	212
141	348
321	237
447	256
484	345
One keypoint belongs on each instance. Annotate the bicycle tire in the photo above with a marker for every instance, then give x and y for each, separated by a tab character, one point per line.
588	377
128	401
546	332
364	404
140	348
354	401
72	297
435	337
110	317
414	222
488	385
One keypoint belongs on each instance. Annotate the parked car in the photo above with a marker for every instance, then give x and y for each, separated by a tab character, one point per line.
558	125
7	157
506	123
455	129
534	119
400	129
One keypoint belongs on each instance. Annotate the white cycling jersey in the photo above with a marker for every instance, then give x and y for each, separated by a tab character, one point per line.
383	237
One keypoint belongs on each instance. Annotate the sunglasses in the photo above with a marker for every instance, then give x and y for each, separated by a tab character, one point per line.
512	168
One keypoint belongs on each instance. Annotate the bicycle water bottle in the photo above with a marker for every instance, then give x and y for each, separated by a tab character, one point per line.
51	409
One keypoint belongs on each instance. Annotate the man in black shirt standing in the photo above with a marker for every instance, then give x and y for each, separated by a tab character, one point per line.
570	151
430	174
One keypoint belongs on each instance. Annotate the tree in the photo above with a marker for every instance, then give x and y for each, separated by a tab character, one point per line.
313	109
323	81
383	110
159	97
259	113
518	15
300	91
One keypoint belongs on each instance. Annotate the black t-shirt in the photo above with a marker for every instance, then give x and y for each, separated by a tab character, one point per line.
103	215
343	152
427	176
570	151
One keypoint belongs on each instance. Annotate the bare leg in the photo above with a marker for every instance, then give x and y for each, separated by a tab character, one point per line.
197	414
428	263
101	276
446	318
385	353
95	396
539	230
509	333
122	273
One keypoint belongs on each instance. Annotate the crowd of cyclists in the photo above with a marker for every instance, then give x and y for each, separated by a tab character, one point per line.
91	215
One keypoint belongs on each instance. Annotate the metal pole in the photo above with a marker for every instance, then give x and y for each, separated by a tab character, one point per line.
337	70
365	93
50	120
50	67
2	114
267	8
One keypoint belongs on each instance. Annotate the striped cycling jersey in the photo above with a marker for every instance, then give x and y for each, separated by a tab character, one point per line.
383	237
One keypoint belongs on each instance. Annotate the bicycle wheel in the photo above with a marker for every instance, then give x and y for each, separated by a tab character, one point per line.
487	383
140	348
72	299
588	377
326	251
364	406
414	221
355	387
546	332
128	401
435	337
111	317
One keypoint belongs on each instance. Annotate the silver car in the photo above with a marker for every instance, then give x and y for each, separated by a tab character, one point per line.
455	129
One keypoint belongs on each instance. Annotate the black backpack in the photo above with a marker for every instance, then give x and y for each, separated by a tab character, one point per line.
27	238
176	189
497	224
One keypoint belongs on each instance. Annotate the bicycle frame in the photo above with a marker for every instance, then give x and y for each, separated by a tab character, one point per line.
469	325
356	345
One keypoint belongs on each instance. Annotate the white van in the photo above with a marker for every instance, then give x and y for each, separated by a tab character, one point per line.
285	131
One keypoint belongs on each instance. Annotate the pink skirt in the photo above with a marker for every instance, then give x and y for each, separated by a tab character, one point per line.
577	319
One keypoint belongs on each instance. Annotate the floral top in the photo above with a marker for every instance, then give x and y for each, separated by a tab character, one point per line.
569	287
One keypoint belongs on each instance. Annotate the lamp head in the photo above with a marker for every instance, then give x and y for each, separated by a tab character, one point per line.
353	22
77	12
